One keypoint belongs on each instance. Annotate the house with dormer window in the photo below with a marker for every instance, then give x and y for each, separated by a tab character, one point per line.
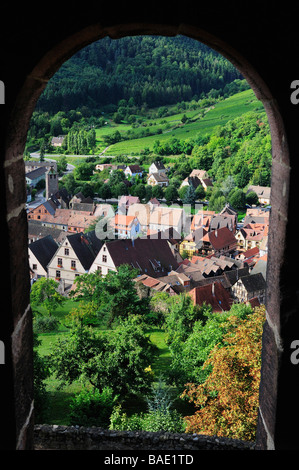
152	257
74	257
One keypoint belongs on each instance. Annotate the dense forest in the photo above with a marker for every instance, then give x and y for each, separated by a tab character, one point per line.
150	70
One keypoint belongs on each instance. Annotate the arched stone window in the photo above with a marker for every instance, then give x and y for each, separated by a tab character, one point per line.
16	327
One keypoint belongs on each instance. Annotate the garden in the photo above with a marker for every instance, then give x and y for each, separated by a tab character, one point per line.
111	356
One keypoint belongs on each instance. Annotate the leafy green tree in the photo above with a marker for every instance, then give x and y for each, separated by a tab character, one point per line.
182	192
228	185
157	192
84	171
69	183
252	198
87	287
191	346
118	361
148	192
181	318
41	373
242	179
237	199
113	296
119	297
105	191
62	164
171	194
125	367
139	190
190	196
45	292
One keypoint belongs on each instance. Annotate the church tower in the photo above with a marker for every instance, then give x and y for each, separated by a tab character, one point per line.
51	182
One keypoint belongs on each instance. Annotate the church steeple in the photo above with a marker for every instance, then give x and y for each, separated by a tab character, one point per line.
51	182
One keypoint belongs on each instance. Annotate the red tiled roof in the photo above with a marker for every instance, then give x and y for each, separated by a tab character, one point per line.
212	294
151	256
221	238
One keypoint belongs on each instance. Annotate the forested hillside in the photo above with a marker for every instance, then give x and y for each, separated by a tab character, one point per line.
150	70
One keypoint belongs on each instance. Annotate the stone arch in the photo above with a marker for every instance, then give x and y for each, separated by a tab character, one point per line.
16	131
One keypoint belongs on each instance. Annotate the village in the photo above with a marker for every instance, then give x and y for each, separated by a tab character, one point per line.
211	256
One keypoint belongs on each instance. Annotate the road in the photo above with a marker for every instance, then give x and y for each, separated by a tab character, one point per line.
69	167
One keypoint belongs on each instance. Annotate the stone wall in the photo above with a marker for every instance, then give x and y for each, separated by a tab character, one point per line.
47	437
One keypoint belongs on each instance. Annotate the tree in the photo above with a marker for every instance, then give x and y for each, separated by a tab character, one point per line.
157	192
171	193
208	329
182	192
69	183
242	179
44	292
118	361
190	196
237	199
62	164
125	367
41	373
228	185
84	171
119	296
227	401
252	198
112	297
87	287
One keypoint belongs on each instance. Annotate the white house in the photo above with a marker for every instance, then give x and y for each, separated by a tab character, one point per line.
153	257
157	179
74	257
158	218
157	167
125	226
133	170
263	193
34	176
40	252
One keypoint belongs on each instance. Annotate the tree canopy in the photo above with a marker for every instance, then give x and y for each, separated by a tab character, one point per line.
151	70
227	401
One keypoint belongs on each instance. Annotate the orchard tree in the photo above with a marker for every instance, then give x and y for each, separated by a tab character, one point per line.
227	401
119	361
204	333
113	296
44	292
119	297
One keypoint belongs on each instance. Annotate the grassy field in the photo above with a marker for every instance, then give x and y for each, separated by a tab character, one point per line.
202	121
172	126
59	398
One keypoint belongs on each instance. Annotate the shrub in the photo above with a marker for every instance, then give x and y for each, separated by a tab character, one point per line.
92	408
154	421
45	324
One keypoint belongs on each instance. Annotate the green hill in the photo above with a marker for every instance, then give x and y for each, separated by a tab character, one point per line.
151	70
201	121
